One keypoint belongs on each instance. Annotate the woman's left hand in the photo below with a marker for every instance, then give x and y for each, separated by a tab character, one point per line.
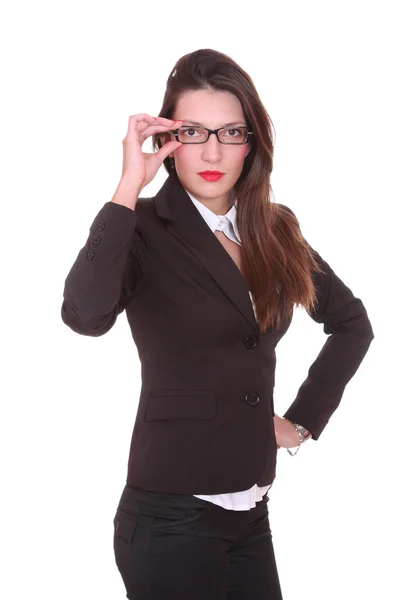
285	433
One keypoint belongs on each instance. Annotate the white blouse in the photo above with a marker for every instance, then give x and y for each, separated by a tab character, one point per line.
245	499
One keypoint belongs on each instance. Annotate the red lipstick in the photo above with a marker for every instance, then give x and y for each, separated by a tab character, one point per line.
211	175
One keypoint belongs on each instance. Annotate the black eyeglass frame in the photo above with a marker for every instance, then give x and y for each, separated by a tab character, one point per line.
210	131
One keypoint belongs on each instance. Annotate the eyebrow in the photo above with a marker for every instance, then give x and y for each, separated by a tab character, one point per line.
226	124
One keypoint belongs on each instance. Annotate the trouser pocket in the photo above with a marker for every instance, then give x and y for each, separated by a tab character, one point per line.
125	528
132	553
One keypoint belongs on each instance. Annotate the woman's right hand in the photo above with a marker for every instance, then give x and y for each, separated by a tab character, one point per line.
139	168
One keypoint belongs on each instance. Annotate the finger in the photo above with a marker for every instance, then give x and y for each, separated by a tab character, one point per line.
134	121
143	117
165	121
167	149
168	125
152	129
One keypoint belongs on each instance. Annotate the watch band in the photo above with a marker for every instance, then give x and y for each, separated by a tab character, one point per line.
304	435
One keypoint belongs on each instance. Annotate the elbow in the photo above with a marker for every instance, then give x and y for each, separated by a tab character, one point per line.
364	326
350	319
367	327
93	327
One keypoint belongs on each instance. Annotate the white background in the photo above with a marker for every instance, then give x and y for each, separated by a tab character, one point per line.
72	73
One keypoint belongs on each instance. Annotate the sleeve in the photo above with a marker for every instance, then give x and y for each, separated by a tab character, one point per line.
345	321
106	272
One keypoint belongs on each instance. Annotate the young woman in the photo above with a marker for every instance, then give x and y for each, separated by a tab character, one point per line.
209	271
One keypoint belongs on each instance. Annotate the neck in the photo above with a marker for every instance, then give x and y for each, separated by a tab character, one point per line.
219	206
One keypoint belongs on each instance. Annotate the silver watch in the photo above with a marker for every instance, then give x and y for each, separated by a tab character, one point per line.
304	434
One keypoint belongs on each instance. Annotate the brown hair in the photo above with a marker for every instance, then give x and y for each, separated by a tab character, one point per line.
277	262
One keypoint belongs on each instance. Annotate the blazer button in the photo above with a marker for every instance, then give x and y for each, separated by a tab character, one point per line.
90	254
250	341
96	240
252	398
101	225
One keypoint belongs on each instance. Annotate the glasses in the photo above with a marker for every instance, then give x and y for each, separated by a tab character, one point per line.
200	135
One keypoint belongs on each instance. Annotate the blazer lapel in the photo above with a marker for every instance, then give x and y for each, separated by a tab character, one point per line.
183	221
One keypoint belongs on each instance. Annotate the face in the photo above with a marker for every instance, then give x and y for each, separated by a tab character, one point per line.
212	110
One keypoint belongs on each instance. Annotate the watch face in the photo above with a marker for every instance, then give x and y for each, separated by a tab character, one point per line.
305	432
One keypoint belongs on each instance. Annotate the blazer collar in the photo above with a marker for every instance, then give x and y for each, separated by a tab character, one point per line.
183	220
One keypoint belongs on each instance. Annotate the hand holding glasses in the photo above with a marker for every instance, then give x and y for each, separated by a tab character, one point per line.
138	167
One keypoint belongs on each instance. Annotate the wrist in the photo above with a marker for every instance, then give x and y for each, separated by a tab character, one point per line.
126	194
302	432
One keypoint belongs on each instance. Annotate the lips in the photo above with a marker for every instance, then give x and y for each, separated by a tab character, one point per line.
211	175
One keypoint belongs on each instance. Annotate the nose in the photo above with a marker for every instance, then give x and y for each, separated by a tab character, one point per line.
212	149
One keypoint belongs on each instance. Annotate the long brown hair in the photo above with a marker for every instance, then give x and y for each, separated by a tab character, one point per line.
277	262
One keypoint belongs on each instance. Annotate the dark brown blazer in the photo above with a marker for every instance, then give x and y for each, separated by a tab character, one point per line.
204	423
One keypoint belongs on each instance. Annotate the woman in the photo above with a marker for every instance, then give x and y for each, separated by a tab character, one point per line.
209	272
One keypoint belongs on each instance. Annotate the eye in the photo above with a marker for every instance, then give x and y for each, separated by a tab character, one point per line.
185	130
238	132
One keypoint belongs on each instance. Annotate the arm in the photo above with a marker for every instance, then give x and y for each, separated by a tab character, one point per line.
345	320
106	272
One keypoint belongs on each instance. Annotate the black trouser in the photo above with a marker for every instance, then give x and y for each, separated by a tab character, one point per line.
179	547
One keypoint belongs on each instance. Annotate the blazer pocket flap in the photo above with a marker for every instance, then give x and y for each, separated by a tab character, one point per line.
181	404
